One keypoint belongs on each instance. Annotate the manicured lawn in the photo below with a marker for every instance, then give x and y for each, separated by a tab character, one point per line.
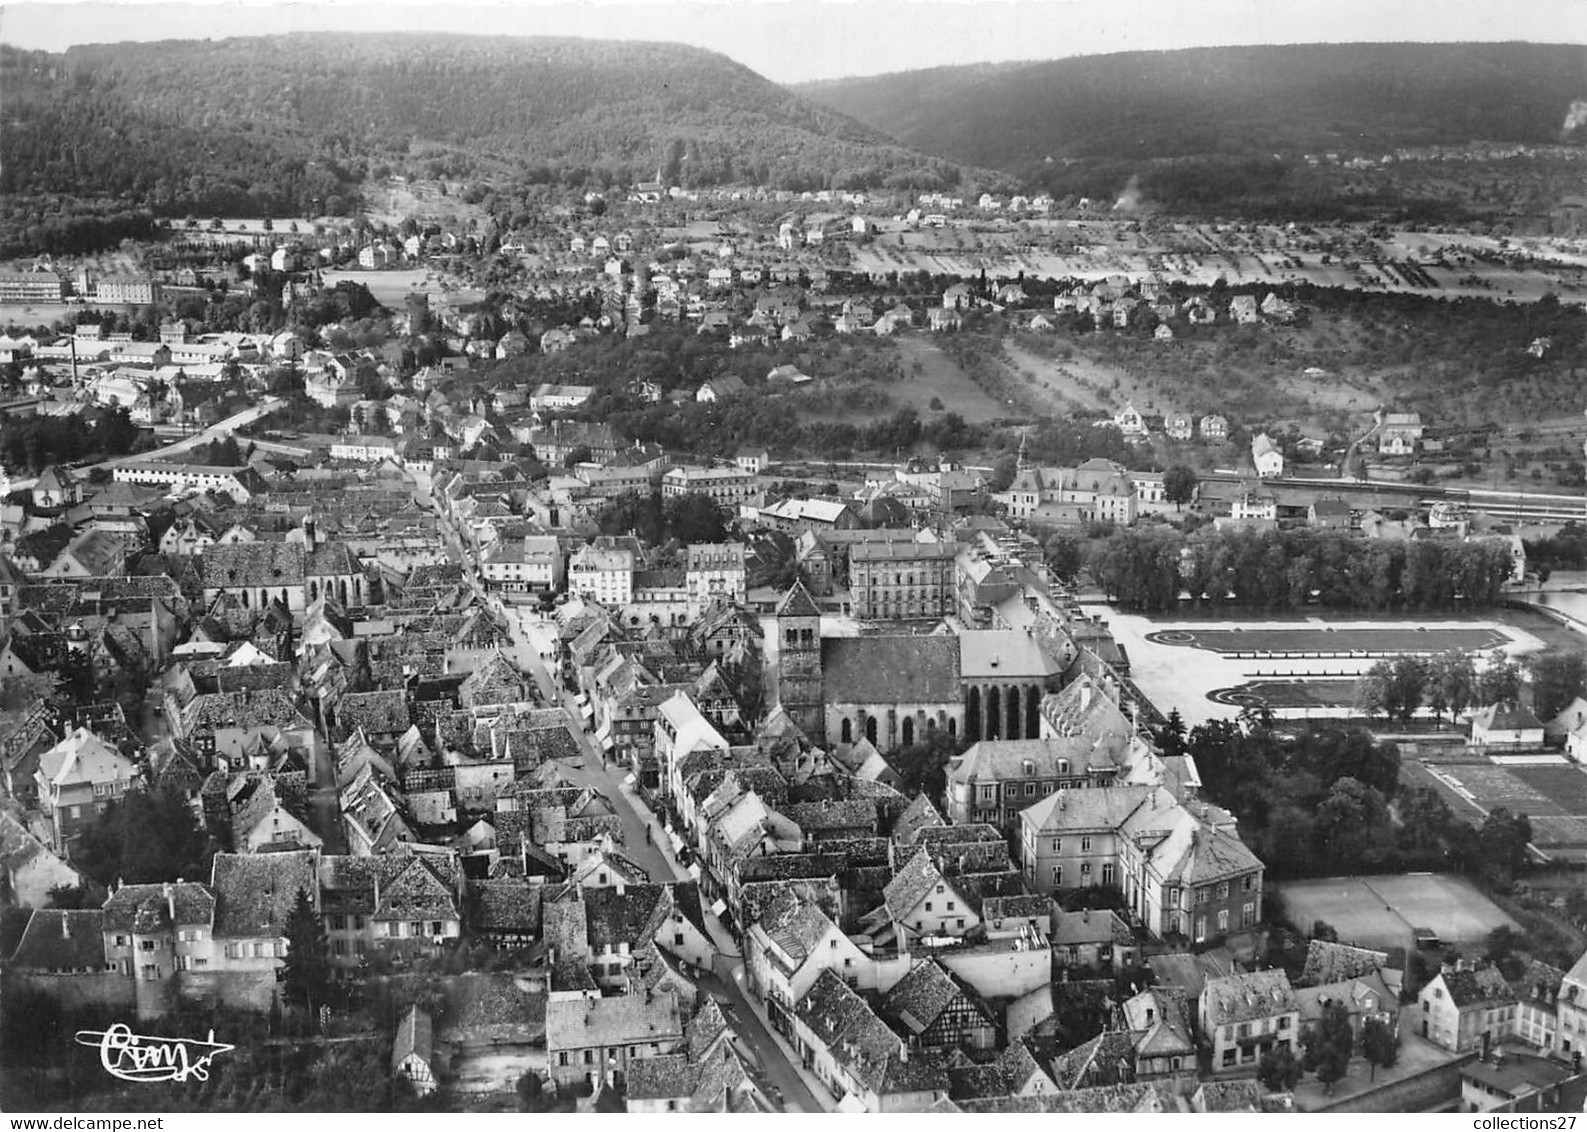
1290	693
1325	640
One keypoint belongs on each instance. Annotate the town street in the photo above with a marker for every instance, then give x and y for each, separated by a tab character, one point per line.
534	639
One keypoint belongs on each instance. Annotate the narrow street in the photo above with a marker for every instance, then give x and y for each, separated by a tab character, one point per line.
534	638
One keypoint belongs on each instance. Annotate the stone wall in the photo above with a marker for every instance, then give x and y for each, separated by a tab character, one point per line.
1429	1089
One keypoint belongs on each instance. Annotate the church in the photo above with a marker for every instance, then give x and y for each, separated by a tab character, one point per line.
898	689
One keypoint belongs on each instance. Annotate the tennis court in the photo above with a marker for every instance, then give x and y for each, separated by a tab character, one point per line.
1381	911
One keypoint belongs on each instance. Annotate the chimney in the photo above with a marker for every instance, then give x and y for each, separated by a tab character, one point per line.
1086	916
66	925
170	901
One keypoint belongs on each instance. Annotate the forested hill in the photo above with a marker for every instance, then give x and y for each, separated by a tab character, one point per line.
1224	102
270	123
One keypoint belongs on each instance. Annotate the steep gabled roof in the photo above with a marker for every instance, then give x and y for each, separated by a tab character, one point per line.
797	602
61	940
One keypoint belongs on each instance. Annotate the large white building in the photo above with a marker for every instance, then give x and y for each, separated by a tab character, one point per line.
605	574
728	486
714	571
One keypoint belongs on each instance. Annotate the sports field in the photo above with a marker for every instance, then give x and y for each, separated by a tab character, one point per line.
1382	911
1324	641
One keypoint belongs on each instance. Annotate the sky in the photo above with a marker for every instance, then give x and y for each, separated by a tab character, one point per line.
801	40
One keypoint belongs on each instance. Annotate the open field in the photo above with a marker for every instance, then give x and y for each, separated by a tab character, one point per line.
46	314
941	377
1077	381
391	288
1382	911
1326	641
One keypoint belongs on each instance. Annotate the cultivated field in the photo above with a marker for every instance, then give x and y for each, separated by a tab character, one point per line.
1381	911
1549	790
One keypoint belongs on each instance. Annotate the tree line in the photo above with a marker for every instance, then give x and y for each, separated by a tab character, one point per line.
1150	568
1398	687
32	443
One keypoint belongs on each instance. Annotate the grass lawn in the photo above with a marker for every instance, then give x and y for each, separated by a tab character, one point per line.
1291	693
940	377
1326	640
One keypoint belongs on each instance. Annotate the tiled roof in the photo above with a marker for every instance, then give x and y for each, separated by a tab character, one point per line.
376	712
1015	907
895	668
1085	926
490	1007
1242	998
914	880
1107	1059
255	893
146	907
1159	1018
268	707
813	817
1334	962
919	998
797	602
671	1076
919	814
252	564
1000	760
1005	654
1362	994
415	1037
1477	988
796	927
59	940
416	892
1102	1099
573	1024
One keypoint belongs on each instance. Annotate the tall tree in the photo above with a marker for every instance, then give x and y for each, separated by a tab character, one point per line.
146	836
1455	677
1499	682
1278	1070
306	975
1328	1051
1557	679
1378	1045
1064	555
1179	485
1502	843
